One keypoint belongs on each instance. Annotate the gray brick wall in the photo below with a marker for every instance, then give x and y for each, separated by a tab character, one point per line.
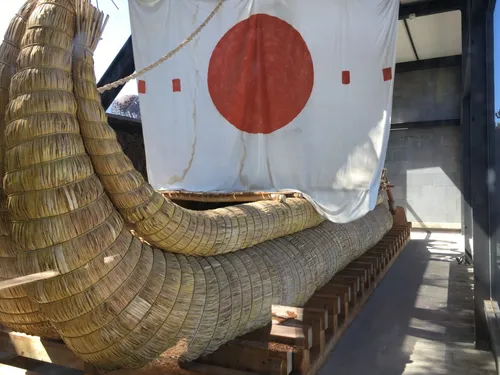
427	95
425	166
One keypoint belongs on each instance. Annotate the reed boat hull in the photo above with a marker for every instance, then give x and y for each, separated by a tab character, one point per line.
185	281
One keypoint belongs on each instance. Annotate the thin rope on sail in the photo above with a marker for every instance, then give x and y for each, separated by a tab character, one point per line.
161	60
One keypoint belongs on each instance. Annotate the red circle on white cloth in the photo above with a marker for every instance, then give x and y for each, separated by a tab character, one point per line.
261	74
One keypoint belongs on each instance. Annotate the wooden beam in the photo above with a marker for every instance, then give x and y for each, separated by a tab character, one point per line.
33	347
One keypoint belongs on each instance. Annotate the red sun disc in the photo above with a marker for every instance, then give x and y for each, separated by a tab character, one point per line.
260	74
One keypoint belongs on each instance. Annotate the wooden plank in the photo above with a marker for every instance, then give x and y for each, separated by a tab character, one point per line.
387	250
36	366
168	366
391	239
382	252
376	260
238	196
217	370
296	332
330	303
89	369
297	358
316	339
316	365
325	301
316	329
11	370
333	290
387	244
352	281
235	197
369	266
342	288
362	271
301	361
335	323
319	341
315	317
251	356
355	273
399	218
51	351
303	314
297	343
299	336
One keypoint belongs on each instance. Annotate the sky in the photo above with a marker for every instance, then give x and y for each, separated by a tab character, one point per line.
116	33
496	55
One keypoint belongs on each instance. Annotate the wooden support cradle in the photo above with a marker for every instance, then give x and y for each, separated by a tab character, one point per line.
297	341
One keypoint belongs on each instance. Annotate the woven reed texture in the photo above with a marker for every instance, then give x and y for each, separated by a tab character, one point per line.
119	302
17	311
152	216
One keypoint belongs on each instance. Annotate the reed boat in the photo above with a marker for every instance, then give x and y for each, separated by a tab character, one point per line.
137	272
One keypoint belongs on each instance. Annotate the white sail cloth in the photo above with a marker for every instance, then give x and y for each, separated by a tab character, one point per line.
271	95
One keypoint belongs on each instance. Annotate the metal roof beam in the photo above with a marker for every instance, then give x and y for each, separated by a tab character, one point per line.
121	66
410	37
125	124
439	62
426	8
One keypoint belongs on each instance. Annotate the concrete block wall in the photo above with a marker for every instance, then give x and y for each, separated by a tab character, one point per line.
427	95
425	166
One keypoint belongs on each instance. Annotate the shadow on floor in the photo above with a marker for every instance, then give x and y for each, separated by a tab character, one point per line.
418	321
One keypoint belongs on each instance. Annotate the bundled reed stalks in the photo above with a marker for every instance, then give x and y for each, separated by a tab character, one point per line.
152	216
119	302
17	311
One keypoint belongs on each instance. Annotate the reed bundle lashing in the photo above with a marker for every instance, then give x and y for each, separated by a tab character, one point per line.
117	301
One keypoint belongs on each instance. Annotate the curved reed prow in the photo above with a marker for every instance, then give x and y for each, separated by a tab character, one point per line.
118	302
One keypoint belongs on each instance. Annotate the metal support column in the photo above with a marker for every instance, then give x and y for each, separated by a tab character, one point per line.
481	127
494	166
465	123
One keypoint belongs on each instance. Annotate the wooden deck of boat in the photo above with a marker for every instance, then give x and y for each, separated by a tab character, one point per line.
298	341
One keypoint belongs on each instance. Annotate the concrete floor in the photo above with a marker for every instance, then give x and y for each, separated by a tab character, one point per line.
418	321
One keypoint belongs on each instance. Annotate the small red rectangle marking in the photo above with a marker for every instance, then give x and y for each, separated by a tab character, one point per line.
141	86
346	77
387	72
176	85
